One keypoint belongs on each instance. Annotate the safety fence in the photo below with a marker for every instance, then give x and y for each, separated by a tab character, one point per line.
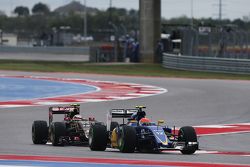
220	43
207	64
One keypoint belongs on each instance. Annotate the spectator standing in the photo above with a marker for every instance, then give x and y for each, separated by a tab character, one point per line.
159	51
135	51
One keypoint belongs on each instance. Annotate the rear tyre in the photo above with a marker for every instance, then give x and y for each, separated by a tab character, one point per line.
98	137
57	132
187	134
39	132
127	139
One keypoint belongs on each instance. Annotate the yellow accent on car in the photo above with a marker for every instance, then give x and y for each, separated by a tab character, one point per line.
163	142
75	105
160	122
140	107
114	139
132	122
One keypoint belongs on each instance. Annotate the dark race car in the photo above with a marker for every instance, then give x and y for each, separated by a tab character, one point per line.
73	129
140	134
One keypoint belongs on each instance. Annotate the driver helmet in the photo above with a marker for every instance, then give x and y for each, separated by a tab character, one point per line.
73	112
144	121
77	118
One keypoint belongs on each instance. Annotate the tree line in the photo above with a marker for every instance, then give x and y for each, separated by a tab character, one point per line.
40	20
43	21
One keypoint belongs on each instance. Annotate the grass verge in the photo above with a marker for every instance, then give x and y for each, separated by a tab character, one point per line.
116	69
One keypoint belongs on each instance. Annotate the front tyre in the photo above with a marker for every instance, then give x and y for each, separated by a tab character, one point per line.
39	132
98	137
188	135
127	139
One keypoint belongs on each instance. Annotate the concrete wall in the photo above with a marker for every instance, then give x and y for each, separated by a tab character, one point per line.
46	50
150	29
45	53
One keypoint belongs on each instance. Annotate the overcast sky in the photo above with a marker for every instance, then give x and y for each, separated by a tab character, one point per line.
170	8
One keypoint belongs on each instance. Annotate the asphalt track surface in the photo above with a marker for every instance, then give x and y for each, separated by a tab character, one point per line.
187	102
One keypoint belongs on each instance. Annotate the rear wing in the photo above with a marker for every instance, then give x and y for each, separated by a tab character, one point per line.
119	113
59	110
122	113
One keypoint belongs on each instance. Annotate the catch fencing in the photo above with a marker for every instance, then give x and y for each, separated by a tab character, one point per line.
222	43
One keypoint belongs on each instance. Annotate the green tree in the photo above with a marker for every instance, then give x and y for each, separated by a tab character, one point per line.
2	13
22	11
41	9
240	23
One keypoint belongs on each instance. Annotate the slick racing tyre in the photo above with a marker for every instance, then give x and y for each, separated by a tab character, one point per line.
126	139
98	137
187	134
39	132
57	132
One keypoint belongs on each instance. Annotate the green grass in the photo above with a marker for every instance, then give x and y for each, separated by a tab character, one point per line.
116	69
